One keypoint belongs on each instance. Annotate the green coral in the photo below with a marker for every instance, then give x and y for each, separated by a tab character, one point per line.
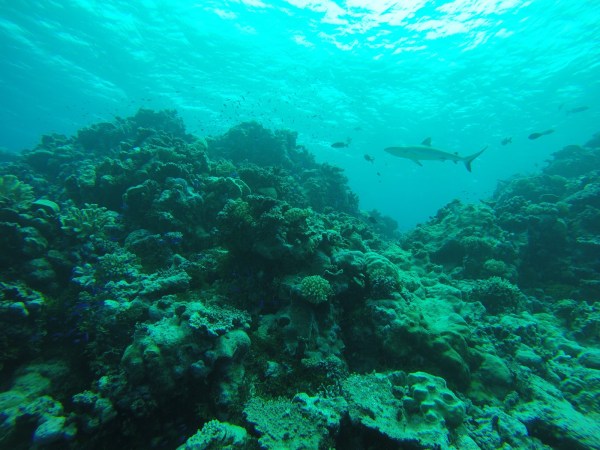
315	289
217	435
294	215
237	226
382	274
497	295
291	424
14	192
91	220
214	320
500	269
119	265
223	168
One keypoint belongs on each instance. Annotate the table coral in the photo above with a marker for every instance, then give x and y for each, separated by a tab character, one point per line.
291	424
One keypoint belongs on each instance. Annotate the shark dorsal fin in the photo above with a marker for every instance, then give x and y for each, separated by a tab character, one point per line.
427	142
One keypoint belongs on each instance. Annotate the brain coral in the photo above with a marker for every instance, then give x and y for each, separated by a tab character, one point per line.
429	394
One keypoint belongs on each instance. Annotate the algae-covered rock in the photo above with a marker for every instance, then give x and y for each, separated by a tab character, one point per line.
21	325
94	410
494	372
590	358
555	421
422	334
31	413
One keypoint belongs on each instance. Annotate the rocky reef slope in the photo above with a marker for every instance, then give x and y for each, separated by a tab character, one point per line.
161	290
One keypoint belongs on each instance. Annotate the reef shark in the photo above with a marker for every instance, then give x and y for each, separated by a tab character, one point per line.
425	151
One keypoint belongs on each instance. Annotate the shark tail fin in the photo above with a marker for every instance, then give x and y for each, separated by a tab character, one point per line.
467	160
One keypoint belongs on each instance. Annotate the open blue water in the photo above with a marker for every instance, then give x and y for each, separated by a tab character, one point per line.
467	73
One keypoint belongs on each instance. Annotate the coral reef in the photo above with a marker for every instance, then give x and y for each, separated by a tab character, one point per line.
162	290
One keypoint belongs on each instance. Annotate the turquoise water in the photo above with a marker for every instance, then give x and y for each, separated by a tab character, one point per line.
465	73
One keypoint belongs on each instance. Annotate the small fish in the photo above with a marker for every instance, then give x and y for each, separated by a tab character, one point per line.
549	198
372	219
533	136
341	144
369	158
506	141
578	109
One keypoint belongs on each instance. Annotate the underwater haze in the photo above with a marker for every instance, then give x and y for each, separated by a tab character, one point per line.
380	73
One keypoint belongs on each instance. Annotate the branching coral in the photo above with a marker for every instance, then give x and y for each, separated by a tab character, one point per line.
91	220
215	320
315	289
294	215
497	295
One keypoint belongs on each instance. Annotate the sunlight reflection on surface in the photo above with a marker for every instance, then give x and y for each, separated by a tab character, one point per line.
477	20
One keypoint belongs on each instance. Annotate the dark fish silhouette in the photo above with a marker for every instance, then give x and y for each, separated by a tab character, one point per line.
341	144
578	109
507	140
533	136
369	158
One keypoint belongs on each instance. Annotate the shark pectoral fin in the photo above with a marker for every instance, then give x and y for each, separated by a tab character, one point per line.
427	142
416	161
